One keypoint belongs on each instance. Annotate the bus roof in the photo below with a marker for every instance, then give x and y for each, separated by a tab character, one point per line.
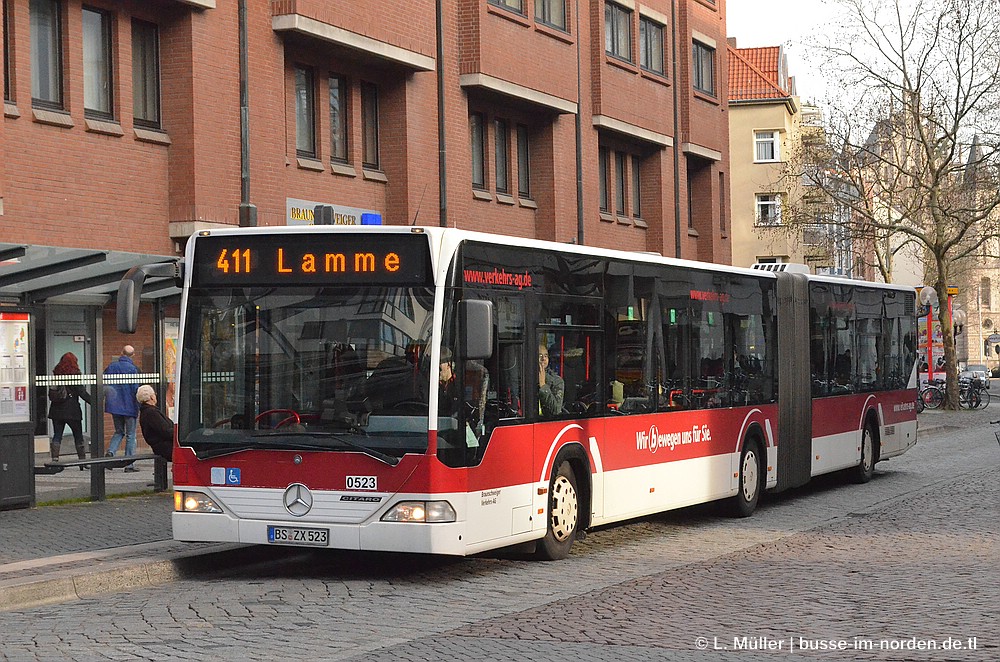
449	238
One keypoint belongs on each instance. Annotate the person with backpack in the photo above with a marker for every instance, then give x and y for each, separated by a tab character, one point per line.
64	407
120	402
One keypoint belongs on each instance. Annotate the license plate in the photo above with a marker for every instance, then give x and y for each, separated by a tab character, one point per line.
296	535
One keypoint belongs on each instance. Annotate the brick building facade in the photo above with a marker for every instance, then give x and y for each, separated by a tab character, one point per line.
122	121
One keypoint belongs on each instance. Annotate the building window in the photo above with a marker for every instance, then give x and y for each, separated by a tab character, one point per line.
97	64
338	118
516	6
478	136
6	54
618	31
502	155
690	197
523	163
768	209
305	112
145	74
551	12
703	59
603	156
369	125
722	202
46	54
650	45
985	297
620	183
636	204
766	146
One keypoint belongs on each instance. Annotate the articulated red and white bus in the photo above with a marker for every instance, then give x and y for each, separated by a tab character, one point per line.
440	391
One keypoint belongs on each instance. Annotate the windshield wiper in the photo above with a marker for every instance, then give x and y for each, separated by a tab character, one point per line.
371	452
224	447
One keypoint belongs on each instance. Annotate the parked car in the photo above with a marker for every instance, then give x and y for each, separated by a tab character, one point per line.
974	370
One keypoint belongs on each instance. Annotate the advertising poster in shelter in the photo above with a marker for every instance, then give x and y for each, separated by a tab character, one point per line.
14	405
171	333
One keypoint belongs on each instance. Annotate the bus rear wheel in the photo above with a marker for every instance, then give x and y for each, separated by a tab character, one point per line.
564	515
745	501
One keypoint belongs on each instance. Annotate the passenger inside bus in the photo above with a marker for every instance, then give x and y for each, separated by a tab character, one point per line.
459	439
551	387
449	399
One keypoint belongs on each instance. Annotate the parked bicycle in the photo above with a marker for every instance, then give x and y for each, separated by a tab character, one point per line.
972	394
932	394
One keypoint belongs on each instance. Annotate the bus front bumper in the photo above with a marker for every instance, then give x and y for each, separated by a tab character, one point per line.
420	538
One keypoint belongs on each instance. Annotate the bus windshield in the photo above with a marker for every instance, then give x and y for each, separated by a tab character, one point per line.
305	368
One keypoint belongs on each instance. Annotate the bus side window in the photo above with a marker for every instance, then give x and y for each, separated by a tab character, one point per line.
506	368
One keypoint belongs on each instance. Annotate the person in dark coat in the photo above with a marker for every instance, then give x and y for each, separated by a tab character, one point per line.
157	429
67	411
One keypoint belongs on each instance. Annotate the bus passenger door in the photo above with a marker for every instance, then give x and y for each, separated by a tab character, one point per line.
570	409
500	474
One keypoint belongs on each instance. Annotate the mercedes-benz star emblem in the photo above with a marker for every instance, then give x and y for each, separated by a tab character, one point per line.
298	499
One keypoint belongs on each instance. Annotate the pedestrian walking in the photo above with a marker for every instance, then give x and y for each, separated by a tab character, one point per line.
119	401
64	407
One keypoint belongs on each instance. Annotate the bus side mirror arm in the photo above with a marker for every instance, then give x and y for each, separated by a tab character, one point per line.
130	291
476	318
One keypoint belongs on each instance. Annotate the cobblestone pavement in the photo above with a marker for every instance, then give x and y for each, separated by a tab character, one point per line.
53	530
907	561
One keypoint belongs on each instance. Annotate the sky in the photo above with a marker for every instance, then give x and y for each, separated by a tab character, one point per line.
785	23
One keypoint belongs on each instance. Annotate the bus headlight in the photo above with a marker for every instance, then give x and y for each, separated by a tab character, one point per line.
421	511
194	502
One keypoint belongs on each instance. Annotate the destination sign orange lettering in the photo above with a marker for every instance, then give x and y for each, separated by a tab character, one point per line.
310	259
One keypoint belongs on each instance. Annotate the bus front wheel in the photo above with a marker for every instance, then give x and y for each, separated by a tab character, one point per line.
564	515
866	467
745	501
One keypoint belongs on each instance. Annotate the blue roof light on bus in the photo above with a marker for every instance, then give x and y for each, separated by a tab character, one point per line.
371	219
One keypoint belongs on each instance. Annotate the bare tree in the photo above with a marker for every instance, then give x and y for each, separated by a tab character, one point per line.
910	153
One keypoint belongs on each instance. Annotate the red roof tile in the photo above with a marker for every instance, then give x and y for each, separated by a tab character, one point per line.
754	74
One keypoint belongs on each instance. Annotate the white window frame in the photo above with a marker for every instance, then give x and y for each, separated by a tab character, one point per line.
767	201
762	138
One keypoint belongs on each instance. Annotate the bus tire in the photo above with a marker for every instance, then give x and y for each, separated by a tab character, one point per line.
750	481
866	467
564	515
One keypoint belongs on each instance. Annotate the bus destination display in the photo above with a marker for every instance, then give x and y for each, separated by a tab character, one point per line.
311	259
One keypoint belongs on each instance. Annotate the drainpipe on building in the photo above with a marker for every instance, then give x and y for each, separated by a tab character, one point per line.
442	152
579	135
248	212
677	138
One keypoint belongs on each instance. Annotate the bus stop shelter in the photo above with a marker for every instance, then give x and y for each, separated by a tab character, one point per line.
54	299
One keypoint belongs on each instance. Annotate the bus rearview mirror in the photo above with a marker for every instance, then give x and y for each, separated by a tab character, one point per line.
476	317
